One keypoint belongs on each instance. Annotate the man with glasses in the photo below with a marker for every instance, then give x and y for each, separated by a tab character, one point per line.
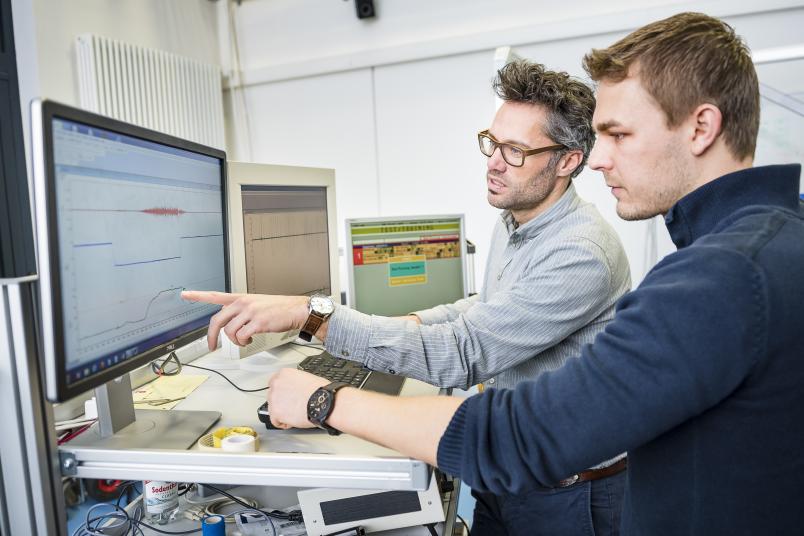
555	270
699	376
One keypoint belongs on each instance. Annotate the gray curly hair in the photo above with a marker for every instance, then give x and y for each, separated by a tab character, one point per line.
570	104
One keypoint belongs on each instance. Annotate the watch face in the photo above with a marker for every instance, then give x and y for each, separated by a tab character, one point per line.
322	305
319	406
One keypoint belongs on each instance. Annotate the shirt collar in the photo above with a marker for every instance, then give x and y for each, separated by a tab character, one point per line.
567	203
698	213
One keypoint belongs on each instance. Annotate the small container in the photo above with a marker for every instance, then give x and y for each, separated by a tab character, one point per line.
161	500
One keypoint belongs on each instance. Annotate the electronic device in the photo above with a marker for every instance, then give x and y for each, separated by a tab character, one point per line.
327	511
127	219
405	264
365	9
283	237
336	369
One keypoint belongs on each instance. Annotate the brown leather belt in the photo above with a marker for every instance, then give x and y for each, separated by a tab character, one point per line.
594	474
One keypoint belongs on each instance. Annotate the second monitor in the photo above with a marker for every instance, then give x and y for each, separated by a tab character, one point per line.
404	264
283	235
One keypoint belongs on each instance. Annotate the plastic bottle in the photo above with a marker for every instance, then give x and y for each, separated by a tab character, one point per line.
161	500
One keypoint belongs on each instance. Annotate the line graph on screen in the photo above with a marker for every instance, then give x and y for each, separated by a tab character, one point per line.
131	248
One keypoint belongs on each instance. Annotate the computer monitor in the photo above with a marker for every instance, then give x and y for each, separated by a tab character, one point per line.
283	235
127	218
404	264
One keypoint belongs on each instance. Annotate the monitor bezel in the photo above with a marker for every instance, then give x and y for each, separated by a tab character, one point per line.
351	298
43	112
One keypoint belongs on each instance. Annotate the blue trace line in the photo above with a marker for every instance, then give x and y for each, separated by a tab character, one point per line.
144	316
95	244
146	262
202	236
91	245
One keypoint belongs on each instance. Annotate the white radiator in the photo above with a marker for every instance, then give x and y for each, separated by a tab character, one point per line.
151	88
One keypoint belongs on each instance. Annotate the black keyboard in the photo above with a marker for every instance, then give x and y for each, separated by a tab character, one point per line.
336	369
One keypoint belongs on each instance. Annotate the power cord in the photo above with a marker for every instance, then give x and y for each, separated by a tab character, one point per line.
130	525
295	515
316	346
160	369
465	525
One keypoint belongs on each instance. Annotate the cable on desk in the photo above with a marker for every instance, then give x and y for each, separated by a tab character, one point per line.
160	370
316	346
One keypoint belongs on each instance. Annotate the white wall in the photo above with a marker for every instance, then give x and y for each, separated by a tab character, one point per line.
45	32
394	103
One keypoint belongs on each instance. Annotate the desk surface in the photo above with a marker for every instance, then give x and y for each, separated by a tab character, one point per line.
299	458
240	409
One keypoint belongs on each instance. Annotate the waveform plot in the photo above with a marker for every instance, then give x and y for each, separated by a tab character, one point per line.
154	211
164	211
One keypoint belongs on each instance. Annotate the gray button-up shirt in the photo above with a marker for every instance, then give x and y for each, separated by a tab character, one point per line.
550	286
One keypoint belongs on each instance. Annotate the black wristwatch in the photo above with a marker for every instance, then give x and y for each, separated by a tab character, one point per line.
321	404
320	308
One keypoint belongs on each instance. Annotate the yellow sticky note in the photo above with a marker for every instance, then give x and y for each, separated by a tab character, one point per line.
166	392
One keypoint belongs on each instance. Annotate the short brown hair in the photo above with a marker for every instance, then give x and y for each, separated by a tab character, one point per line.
684	61
569	102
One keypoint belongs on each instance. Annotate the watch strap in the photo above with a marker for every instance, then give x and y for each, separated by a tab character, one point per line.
321	422
314	322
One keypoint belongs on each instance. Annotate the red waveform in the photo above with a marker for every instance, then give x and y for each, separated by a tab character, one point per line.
164	211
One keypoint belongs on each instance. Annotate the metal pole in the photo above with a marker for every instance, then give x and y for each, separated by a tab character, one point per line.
31	478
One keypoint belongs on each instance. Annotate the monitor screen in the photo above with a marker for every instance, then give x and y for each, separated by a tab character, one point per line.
132	218
401	265
286	239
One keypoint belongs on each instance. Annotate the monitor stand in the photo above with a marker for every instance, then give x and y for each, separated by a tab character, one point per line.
120	426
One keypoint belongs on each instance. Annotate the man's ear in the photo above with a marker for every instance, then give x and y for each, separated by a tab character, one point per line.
568	163
706	121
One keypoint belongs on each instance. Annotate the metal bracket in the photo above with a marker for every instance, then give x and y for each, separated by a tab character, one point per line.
68	463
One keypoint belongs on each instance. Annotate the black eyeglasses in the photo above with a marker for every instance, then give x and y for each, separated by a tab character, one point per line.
514	155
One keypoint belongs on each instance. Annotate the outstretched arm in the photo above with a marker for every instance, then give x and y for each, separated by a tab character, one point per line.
244	315
391	421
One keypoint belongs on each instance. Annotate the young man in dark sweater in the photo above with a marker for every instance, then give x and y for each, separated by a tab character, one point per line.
700	376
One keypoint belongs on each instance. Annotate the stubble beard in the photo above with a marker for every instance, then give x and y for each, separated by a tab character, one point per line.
531	194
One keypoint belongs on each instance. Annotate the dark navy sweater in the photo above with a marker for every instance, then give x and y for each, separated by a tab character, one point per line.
700	377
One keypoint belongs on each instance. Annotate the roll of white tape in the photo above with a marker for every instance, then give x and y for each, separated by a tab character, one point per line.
239	443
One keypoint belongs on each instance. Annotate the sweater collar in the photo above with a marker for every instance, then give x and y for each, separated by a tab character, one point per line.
567	203
698	213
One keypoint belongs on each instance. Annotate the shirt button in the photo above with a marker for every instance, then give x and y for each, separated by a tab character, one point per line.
345	352
491	381
391	371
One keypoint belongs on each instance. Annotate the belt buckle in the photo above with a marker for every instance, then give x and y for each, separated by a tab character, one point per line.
568	481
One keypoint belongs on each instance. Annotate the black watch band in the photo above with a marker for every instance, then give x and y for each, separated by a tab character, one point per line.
321	404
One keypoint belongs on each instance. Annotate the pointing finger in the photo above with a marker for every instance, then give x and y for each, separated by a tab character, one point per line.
219	298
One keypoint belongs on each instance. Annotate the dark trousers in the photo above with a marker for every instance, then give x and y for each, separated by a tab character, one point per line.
585	509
